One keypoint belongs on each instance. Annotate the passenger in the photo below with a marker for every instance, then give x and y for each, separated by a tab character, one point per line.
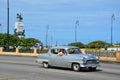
62	52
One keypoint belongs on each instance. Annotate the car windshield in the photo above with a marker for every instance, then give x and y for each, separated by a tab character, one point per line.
74	51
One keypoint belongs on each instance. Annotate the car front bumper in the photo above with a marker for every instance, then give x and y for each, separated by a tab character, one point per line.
90	65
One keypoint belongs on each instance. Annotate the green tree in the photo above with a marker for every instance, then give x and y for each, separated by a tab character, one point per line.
78	44
28	42
97	44
2	39
14	41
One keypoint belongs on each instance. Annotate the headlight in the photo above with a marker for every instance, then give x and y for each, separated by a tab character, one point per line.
97	57
84	61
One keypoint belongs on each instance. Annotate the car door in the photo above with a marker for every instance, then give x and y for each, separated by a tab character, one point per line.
53	55
61	61
56	59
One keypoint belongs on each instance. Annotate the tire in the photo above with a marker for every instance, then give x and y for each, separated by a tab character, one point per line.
92	68
76	67
45	64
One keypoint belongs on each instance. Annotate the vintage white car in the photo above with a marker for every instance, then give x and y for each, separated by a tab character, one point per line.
72	58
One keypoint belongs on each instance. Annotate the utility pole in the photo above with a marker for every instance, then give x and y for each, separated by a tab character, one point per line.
112	18
56	43
47	27
7	44
1	28
51	41
76	25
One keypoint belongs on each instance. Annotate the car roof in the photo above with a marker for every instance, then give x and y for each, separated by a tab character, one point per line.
64	47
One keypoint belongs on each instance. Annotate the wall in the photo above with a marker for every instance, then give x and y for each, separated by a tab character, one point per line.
105	55
18	54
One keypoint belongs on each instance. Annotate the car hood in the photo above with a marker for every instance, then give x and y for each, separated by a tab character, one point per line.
87	56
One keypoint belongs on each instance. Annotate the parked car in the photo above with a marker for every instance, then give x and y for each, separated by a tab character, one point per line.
72	58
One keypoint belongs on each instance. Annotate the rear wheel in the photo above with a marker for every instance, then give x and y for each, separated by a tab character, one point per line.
76	67
45	64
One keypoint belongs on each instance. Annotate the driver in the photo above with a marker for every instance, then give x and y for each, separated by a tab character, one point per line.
62	52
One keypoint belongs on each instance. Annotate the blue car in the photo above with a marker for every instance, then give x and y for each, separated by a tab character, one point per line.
68	57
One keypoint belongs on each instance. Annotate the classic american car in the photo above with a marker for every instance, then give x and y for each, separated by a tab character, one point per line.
72	58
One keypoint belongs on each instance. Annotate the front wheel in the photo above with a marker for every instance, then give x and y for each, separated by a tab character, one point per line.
76	67
45	64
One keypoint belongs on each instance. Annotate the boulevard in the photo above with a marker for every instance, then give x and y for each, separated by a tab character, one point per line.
25	68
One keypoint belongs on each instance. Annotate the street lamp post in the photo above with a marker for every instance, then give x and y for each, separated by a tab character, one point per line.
47	27
112	18
76	24
7	44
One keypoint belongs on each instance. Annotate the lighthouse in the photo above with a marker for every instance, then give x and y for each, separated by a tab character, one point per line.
19	30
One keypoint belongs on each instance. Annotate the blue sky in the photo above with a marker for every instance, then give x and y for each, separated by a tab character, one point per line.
94	19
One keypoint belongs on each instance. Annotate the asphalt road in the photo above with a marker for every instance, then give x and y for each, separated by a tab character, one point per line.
25	68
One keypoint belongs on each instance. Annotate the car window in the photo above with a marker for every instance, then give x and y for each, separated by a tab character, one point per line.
74	51
54	51
62	50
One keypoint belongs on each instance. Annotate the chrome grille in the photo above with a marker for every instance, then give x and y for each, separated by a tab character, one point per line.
91	61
